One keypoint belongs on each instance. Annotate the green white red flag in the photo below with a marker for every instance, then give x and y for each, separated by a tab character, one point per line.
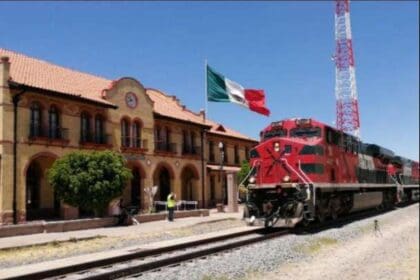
221	89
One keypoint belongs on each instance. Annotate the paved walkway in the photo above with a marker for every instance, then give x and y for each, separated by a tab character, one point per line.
163	225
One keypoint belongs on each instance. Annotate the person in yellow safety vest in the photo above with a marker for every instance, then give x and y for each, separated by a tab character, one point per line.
171	203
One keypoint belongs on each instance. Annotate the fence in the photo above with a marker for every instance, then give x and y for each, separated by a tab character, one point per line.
180	205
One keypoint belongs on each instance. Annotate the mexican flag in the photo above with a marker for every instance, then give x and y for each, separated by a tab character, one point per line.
221	89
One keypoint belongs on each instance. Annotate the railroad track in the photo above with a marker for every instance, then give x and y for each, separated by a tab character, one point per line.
145	260
139	261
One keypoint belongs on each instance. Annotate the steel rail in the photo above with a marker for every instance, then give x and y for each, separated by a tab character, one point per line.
165	262
60	271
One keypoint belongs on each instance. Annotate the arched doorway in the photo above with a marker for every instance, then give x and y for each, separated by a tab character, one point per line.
136	187
162	178
40	200
164	184
33	188
189	188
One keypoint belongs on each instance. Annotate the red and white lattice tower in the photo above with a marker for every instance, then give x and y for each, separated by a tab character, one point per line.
345	78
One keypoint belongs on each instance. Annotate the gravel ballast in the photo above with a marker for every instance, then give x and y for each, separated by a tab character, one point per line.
354	251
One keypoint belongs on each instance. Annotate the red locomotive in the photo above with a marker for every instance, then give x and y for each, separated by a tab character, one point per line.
304	170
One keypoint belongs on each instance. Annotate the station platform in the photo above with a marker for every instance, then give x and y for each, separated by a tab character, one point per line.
149	227
22	271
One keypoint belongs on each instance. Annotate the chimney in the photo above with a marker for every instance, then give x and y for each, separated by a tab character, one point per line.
203	114
4	70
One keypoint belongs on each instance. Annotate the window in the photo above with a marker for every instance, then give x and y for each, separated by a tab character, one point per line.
163	136
192	142
53	123
157	136
316	168
247	153
99	130
254	153
125	133
136	135
312	150
36	120
236	154
305	132
333	136
185	145
275	132
211	151
85	134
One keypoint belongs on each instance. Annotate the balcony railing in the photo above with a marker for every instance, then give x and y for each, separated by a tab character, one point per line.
191	150
37	132
95	138
137	146
165	147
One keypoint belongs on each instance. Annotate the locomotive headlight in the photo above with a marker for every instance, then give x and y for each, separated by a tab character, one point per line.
286	178
252	179
276	147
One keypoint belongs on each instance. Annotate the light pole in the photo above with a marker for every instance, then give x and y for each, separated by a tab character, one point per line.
222	160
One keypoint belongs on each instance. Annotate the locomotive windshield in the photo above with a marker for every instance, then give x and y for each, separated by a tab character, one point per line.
305	132
275	133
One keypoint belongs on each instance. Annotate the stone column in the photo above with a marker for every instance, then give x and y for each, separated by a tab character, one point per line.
232	192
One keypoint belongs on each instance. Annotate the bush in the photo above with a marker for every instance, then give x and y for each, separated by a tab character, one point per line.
89	180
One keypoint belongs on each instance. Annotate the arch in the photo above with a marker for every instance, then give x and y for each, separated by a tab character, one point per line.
131	79
137	164
163	177
193	170
40	198
163	164
36	156
189	183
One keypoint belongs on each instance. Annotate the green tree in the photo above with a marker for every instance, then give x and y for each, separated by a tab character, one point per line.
243	190
89	180
245	168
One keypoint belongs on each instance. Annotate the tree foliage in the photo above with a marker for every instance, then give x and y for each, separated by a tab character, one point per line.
245	168
89	180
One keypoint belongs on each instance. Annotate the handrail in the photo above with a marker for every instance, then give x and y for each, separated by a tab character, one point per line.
249	173
306	176
303	179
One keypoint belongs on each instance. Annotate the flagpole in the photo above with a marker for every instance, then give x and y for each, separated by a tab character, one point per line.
205	89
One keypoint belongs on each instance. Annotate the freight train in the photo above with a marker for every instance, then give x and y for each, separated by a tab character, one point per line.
304	170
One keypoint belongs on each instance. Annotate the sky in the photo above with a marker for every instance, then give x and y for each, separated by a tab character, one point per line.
284	48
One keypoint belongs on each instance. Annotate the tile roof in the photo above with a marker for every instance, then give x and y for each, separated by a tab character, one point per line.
170	106
40	74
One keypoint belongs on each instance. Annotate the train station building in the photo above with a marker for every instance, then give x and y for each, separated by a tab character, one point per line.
60	110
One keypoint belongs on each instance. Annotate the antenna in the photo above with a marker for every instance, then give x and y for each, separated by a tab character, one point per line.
345	76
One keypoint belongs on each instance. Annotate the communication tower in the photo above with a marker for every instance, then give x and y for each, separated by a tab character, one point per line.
345	77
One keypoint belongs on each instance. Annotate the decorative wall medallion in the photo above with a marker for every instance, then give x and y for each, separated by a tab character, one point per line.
131	100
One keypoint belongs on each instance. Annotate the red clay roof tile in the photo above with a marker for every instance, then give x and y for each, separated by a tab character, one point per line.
40	74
